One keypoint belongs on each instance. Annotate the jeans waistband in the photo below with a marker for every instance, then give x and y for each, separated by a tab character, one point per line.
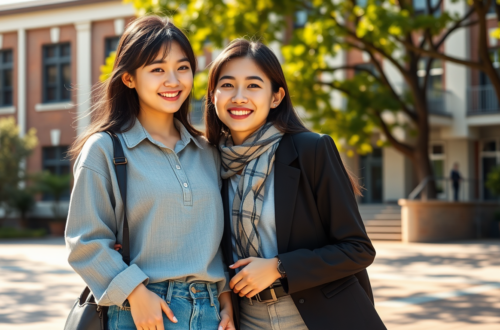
194	290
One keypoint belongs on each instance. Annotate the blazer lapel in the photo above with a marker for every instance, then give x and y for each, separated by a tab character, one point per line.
286	184
226	239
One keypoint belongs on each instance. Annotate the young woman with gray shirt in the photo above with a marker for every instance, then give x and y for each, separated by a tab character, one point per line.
176	276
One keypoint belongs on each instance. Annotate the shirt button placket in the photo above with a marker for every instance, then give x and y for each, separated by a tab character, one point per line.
181	176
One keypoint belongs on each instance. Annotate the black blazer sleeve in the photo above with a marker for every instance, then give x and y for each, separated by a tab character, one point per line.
349	250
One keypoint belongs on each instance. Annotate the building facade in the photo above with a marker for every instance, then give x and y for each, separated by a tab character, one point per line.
464	120
51	52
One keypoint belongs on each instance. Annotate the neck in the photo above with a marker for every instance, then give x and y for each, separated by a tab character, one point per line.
157	123
240	137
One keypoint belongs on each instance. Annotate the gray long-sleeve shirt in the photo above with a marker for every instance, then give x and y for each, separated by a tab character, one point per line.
174	210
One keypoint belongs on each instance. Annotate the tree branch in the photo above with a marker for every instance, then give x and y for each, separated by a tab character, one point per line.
436	7
457	25
444	57
383	81
402	147
412	114
370	46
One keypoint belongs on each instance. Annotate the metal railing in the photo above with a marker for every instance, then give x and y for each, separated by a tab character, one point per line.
438	102
483	100
468	189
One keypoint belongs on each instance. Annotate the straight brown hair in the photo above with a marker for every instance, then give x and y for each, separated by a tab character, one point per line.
117	104
284	116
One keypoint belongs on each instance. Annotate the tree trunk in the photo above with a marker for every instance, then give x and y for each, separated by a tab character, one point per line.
421	159
484	55
424	170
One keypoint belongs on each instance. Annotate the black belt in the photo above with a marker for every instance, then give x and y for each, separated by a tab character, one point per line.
270	294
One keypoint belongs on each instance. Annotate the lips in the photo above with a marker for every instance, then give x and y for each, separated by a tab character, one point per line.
239	113
170	96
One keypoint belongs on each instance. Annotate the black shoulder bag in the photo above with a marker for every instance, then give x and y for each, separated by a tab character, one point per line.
86	314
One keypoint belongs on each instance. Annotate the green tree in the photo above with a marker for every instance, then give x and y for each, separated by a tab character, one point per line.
393	34
23	201
13	151
493	181
56	186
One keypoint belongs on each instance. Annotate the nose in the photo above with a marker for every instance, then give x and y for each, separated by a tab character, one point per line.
171	79
239	98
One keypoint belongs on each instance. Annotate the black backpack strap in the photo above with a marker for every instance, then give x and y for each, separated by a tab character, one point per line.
121	175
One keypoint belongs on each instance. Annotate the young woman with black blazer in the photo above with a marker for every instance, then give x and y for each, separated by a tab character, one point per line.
293	235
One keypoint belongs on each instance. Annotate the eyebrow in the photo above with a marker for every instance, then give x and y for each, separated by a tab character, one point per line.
247	78
161	61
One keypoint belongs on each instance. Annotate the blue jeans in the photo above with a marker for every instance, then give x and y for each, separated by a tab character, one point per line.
195	305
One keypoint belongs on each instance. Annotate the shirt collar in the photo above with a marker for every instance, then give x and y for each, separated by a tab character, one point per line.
138	133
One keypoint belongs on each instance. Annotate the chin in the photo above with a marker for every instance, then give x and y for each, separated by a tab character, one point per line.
171	109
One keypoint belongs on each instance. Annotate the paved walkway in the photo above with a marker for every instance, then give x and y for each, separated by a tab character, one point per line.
417	286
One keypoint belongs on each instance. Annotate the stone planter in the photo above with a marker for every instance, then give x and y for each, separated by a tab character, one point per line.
435	221
57	228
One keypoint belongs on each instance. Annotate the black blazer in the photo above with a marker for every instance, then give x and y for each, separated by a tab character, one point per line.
322	241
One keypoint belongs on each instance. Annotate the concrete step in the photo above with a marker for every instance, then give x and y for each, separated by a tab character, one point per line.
381	216
383	223
384	237
376	229
363	211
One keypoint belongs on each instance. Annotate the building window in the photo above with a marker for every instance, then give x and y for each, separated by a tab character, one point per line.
491	10
6	78
56	73
300	19
435	80
490	159
110	45
197	107
55	161
421	8
437	157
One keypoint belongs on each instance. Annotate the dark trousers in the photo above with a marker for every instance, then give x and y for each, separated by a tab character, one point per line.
456	187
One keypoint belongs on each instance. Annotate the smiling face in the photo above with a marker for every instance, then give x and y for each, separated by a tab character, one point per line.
243	97
164	84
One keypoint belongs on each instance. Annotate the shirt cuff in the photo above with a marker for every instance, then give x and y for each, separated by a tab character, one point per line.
124	283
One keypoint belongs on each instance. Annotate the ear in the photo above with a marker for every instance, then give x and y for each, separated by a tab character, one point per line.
128	80
277	98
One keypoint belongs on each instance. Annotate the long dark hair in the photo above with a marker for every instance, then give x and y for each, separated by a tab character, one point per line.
117	104
284	116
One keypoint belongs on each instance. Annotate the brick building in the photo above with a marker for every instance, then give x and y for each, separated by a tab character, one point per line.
49	45
50	56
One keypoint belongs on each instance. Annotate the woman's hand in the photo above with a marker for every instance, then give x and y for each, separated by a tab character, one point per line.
258	274
146	308
226	313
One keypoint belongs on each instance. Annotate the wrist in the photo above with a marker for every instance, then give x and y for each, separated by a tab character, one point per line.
225	301
136	293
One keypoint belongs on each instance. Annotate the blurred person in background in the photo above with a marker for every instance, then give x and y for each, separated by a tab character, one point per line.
456	178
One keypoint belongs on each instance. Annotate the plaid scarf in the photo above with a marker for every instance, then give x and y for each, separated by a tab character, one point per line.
256	157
